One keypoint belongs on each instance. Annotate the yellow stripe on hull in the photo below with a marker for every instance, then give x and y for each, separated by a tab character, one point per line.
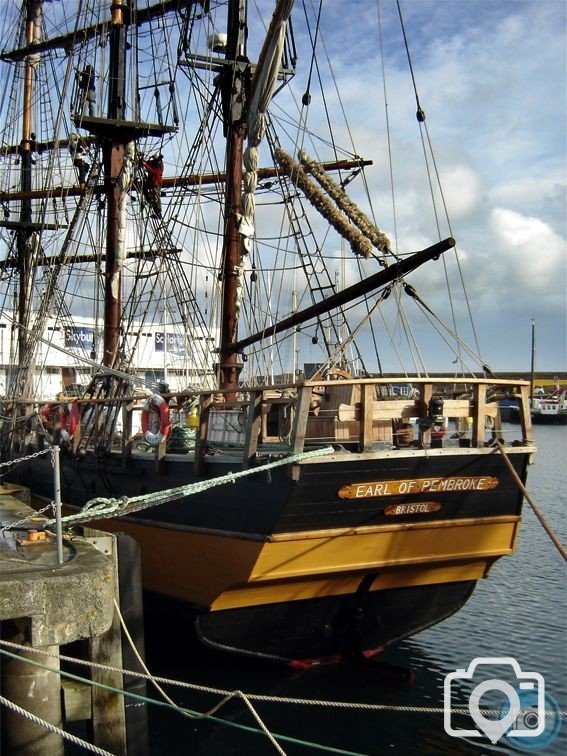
365	549
224	572
395	577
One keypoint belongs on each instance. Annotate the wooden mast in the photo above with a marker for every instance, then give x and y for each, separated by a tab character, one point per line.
234	108
114	151
25	233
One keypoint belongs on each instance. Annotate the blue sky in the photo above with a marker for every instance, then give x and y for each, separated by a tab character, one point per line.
491	77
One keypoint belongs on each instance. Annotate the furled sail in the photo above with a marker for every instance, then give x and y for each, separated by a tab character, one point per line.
263	85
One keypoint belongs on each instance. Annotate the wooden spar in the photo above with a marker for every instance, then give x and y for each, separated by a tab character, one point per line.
349	294
45	261
80	36
113	155
193	179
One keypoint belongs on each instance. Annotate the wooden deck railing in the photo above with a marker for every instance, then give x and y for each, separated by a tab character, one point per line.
357	414
365	414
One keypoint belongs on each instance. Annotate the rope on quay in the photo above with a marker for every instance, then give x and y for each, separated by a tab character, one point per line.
52	728
546	526
102	508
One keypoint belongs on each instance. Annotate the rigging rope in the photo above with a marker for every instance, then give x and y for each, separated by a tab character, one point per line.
102	507
420	115
559	546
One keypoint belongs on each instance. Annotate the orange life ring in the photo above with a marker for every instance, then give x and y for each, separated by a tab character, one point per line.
158	405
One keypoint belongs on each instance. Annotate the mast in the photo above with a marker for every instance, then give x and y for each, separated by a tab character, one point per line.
532	366
25	234
114	151
234	106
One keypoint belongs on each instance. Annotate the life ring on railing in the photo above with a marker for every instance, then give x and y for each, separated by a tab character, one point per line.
46	416
72	419
58	417
158	405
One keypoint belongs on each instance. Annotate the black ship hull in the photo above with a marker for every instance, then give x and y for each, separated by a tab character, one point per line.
311	561
324	630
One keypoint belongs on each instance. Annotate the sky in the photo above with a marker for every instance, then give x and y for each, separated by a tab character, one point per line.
491	78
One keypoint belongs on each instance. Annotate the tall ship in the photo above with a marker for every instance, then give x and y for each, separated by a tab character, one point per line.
305	484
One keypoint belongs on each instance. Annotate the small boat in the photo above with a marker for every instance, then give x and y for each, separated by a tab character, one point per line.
158	166
551	408
546	409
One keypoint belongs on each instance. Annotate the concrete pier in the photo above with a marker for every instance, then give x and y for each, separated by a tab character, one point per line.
38	691
44	605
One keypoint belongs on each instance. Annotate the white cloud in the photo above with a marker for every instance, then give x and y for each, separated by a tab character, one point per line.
462	188
534	255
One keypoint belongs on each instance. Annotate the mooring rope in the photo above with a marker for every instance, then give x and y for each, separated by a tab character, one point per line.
464	710
228	697
259	697
102	507
546	526
145	699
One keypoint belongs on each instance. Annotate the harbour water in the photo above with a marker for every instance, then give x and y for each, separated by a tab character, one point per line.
520	612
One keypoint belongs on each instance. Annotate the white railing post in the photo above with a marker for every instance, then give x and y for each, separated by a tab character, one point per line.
57	503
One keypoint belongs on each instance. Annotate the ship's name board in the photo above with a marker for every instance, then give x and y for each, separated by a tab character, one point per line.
376	489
